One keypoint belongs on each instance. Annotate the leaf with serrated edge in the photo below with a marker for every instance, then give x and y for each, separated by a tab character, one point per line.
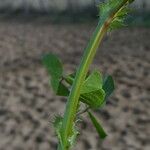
102	134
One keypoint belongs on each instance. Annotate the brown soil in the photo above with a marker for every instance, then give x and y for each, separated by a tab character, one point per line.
27	103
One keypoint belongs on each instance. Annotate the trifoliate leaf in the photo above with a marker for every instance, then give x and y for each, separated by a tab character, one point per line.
108	85
54	68
102	134
92	93
95	91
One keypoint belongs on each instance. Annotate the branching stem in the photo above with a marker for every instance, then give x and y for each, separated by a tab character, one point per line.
89	53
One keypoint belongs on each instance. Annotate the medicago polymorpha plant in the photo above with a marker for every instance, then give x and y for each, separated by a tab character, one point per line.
81	87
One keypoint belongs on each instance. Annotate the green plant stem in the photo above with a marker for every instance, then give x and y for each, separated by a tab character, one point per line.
59	147
89	53
72	103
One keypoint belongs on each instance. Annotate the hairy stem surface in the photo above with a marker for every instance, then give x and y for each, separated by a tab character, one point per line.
89	53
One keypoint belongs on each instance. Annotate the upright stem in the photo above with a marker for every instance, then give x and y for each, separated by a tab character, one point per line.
89	53
72	103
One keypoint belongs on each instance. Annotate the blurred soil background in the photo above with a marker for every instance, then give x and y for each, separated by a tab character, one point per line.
27	103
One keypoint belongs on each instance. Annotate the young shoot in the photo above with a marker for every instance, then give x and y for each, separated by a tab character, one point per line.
81	87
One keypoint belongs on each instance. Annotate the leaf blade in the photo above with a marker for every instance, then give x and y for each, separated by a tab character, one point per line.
92	83
94	99
102	134
54	68
92	93
108	85
62	90
109	7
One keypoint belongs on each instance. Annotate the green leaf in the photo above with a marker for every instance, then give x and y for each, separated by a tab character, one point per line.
62	90
102	134
92	93
123	12
92	83
55	83
54	68
119	17
117	24
108	85
94	99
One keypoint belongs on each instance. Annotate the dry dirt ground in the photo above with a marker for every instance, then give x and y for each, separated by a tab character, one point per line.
27	103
